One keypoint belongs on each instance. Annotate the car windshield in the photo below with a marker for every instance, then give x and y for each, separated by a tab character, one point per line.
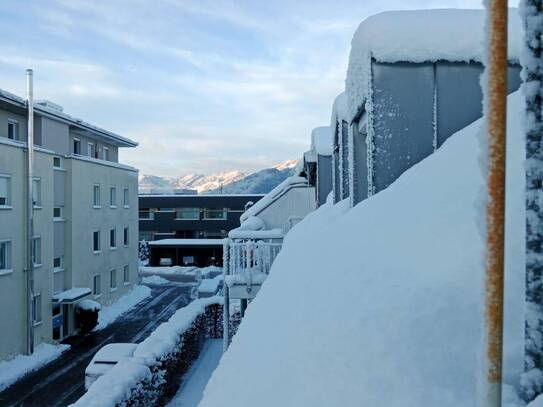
105	362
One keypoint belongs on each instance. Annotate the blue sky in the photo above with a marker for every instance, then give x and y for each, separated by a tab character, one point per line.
203	86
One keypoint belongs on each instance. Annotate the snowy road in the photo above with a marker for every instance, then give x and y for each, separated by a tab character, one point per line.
62	382
194	382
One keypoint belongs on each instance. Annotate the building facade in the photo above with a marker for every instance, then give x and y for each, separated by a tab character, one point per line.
85	221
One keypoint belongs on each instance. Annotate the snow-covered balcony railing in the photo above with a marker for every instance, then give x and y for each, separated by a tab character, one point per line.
248	257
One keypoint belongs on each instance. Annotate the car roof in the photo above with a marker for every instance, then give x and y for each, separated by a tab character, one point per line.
113	352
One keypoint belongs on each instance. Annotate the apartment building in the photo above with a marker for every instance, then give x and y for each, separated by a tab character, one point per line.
85	221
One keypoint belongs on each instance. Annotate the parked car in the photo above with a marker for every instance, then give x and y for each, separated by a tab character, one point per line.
107	357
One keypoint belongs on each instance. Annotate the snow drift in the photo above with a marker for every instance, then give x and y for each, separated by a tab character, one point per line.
381	304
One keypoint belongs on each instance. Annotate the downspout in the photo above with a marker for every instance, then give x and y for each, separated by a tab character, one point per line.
30	212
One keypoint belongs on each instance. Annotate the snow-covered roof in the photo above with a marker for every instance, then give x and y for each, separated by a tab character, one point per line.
186	242
271	196
339	110
256	234
51	111
321	140
209	285
310	156
72	294
420	36
402	323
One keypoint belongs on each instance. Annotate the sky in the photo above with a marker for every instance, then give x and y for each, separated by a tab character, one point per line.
202	86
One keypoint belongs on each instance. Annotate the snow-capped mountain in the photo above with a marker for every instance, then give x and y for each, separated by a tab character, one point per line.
228	182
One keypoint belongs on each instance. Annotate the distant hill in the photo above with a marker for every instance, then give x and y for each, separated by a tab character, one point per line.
230	182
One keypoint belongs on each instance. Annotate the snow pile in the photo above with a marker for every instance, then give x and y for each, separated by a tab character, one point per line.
111	312
13	369
209	286
252	223
115	386
321	140
339	110
420	36
89	305
400	324
272	196
156	280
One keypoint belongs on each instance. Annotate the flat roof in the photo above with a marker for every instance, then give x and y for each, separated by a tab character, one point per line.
187	242
71	295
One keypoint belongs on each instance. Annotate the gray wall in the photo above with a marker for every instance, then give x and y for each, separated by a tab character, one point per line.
344	163
336	183
324	178
359	166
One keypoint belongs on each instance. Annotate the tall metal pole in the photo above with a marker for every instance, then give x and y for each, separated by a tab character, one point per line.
30	211
226	306
496	112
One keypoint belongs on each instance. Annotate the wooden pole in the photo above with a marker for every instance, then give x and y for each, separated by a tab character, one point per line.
496	112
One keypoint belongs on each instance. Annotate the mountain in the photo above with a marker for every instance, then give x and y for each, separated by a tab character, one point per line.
229	182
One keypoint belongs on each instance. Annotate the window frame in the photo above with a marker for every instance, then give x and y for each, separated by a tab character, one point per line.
113	279
58	218
76	142
96	197
9	267
126	274
105	153
113	197
36	251
113	239
37	315
99	240
15	123
59	158
97	288
61	267
126	236
178	210
36	181
126	197
207	210
7	205
90	149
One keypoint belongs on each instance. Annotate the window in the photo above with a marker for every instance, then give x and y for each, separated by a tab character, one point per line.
36	308
113	279
165	210
214	213
5	256
77	146
113	197
90	149
96	241
36	192
36	251
5	191
125	236
13	129
57	212
105	153
126	274
113	239
97	285
126	198
96	196
58	262
57	162
147	214
188	213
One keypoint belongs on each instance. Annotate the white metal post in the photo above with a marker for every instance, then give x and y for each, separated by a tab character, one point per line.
226	306
30	211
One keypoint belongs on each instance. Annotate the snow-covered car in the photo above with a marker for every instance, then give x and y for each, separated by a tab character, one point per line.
107	357
209	287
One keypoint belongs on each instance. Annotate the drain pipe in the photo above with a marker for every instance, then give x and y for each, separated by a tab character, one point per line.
496	113
30	212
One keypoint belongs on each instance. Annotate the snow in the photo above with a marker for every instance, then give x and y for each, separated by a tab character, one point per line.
167	269
381	304
71	294
321	140
13	369
209	286
113	387
538	402
252	223
112	353
256	234
272	196
420	36
186	242
194	382
156	280
339	110
110	313
89	305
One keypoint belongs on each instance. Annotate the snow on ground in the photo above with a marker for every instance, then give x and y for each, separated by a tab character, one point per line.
156	280
110	313
14	369
194	382
381	304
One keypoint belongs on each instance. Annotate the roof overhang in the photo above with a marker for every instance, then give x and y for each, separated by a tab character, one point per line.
71	296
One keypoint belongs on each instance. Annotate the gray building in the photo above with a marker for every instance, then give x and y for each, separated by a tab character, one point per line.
86	221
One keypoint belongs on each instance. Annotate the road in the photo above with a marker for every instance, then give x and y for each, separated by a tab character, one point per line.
61	382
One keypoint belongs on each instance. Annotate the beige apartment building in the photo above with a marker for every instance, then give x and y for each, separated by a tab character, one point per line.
85	221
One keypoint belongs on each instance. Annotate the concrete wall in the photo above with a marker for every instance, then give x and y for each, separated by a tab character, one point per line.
82	219
12	227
